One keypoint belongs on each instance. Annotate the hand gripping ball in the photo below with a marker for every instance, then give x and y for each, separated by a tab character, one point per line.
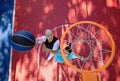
22	41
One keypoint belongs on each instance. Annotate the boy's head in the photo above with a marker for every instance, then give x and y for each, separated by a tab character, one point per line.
67	50
49	34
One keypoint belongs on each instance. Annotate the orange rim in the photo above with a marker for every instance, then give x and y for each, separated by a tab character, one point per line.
101	27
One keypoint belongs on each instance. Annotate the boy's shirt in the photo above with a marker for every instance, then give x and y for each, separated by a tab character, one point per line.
59	58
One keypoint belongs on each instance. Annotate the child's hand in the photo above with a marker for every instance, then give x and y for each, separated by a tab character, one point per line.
36	43
46	62
47	50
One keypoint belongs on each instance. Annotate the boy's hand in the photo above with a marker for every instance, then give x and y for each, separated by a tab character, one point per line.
46	62
46	49
36	42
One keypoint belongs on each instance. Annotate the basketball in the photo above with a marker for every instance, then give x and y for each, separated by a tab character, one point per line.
22	41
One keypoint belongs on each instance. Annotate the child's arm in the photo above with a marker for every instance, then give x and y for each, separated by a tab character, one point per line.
47	50
77	56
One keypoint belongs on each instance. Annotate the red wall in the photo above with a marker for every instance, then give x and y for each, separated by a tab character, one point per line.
37	15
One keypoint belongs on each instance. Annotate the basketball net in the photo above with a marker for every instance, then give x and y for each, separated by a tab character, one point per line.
92	41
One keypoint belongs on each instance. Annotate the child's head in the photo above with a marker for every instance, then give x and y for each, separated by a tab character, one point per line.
67	50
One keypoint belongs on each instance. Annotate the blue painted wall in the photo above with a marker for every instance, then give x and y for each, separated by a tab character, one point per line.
6	17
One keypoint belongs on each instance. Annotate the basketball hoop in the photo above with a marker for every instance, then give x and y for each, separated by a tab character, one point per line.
99	41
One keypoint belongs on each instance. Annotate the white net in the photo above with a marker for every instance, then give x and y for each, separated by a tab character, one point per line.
92	43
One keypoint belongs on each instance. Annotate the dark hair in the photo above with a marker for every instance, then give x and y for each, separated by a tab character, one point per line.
68	49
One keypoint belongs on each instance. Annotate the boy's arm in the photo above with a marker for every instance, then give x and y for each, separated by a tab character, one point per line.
77	56
40	40
55	47
51	51
47	50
